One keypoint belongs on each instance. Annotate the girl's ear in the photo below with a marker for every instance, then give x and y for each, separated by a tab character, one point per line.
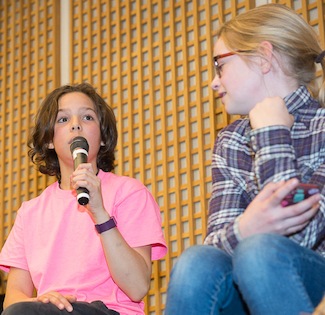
102	144
51	145
266	53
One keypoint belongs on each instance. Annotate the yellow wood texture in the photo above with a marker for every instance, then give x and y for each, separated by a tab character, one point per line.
152	62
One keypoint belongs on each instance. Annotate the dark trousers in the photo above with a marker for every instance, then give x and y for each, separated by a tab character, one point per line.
39	308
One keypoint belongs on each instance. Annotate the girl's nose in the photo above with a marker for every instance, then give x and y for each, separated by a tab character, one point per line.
215	84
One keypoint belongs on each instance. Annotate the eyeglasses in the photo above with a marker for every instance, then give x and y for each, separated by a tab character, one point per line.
218	57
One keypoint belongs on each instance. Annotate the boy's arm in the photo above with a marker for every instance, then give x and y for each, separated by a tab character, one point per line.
19	287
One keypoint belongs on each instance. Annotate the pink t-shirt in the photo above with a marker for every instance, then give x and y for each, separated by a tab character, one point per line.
55	240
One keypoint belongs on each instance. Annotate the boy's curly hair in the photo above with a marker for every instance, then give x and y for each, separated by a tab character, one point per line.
43	131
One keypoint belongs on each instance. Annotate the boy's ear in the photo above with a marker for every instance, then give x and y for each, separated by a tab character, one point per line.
51	145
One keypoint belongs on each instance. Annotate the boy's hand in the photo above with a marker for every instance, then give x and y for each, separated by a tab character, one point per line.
85	176
62	302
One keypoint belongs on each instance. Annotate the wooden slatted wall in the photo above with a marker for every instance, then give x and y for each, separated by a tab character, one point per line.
29	53
152	61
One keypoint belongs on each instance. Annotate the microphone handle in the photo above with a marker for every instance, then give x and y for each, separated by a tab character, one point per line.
79	158
82	193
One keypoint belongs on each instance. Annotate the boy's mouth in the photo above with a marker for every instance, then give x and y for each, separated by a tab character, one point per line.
71	140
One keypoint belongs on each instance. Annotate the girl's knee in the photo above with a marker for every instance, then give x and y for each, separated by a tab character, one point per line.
259	254
260	246
200	262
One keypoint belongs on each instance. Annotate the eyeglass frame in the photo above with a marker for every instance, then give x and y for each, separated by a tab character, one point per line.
216	58
231	53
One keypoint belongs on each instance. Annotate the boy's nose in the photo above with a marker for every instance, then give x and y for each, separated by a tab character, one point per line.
75	126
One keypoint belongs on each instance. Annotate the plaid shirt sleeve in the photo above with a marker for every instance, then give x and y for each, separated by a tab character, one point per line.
231	167
244	161
276	158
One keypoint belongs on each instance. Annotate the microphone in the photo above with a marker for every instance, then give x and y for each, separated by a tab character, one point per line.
79	149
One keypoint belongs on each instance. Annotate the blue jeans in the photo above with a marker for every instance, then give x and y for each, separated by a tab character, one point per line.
267	275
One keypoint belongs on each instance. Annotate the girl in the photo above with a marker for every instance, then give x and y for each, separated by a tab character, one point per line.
263	258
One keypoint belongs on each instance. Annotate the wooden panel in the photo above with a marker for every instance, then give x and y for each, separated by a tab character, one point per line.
152	61
154	67
29	54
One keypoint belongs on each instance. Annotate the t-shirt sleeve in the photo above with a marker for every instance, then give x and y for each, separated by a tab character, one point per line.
138	219
13	252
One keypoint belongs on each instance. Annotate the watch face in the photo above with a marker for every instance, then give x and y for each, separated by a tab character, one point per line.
111	223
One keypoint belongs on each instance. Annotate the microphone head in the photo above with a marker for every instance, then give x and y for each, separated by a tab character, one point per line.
79	142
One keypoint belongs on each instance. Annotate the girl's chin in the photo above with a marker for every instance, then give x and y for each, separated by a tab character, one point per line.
230	109
233	109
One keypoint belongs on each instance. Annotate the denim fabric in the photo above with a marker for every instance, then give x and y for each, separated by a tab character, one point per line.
38	308
271	273
277	276
201	283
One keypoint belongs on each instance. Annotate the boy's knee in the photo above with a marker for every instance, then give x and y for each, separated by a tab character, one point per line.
18	308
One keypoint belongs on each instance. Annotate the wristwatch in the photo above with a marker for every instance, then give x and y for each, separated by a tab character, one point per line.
110	224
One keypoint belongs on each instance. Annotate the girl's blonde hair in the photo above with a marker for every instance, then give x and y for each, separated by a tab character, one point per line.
290	35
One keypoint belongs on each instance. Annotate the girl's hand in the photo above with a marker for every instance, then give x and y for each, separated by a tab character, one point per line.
270	112
60	301
265	214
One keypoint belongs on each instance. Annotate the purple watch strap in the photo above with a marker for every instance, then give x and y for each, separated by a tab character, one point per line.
111	223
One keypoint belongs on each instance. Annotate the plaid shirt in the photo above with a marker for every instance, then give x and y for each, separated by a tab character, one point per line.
245	160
